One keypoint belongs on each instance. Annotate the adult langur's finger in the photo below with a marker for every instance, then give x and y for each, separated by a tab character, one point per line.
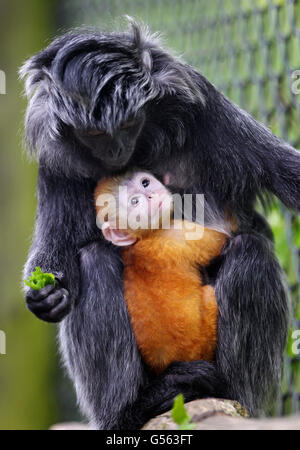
40	294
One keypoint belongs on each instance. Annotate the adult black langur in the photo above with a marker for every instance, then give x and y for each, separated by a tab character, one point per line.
102	103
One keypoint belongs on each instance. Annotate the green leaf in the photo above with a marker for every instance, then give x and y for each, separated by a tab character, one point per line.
180	415
39	279
186	426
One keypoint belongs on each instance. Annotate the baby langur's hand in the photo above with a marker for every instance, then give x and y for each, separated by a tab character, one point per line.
51	303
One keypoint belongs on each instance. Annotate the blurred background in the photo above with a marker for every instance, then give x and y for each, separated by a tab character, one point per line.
247	48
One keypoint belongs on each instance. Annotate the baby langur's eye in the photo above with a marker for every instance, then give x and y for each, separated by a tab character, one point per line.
145	182
134	201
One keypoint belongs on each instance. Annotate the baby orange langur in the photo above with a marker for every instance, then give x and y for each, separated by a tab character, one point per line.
174	317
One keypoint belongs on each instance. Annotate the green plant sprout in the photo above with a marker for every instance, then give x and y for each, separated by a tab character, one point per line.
180	415
39	279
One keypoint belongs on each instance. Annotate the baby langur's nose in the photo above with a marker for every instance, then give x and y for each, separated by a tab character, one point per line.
155	195
152	195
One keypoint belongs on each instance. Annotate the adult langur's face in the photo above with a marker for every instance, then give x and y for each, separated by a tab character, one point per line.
113	148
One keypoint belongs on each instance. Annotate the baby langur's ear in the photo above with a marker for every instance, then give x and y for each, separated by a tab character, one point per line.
167	179
117	237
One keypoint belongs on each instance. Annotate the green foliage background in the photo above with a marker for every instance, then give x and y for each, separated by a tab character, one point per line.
248	49
28	370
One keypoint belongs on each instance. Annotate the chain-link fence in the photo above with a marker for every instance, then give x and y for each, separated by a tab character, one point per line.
249	49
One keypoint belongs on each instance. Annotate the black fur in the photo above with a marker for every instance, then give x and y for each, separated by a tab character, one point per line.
99	81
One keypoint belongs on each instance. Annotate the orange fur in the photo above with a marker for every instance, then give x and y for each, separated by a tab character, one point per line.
173	316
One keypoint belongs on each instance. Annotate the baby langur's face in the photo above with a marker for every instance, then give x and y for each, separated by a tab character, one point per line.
147	202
